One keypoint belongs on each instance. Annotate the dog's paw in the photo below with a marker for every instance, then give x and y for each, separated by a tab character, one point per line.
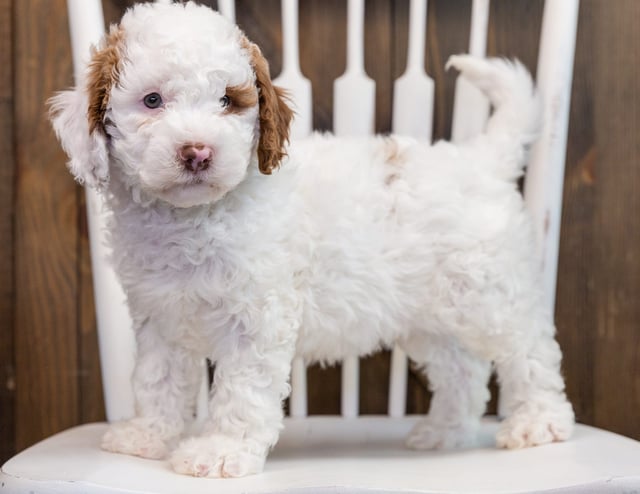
216	456
429	434
135	437
526	428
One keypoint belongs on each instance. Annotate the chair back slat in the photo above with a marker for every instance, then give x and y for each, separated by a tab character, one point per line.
228	9
86	23
299	92
291	78
545	172
413	90
479	27
470	106
412	116
353	115
298	397
350	387
354	93
398	377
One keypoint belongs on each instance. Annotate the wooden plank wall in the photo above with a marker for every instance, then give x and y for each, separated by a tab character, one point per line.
49	366
7	292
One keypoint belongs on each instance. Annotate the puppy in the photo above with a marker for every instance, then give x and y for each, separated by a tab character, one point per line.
234	246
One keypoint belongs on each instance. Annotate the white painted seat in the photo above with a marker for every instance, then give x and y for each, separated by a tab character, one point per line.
337	455
350	453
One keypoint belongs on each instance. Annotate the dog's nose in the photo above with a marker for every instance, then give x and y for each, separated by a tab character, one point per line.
195	157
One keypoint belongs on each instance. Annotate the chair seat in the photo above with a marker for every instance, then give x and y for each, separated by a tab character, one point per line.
332	454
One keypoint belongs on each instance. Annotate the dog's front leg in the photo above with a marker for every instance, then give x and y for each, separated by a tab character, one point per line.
165	383
250	382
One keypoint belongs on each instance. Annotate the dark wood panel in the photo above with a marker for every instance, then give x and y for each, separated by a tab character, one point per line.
113	9
46	231
616	112
576	287
374	383
323	390
447	34
378	60
514	30
7	165
323	55
261	21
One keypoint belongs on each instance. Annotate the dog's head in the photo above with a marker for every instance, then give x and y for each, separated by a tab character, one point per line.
177	99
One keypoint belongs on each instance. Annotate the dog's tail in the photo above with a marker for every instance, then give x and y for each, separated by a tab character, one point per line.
517	117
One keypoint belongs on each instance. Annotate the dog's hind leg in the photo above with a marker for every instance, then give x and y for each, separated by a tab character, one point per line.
538	411
458	381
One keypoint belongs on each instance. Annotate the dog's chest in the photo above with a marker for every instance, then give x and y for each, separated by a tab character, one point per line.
200	275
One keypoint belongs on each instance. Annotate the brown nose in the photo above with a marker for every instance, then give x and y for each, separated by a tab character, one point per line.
195	157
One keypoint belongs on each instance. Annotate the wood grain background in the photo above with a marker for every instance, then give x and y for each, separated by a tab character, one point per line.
49	365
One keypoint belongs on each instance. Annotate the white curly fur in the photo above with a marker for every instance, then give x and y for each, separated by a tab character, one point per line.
353	245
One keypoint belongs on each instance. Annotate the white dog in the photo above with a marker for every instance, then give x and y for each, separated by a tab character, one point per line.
233	246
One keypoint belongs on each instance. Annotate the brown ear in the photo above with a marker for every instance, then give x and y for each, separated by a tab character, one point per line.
275	115
103	74
78	115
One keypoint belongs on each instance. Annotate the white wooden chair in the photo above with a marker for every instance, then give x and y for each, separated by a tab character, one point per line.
350	453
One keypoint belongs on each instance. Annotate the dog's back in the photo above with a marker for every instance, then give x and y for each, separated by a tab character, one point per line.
401	234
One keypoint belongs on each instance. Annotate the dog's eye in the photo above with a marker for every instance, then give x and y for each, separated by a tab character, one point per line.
152	100
225	101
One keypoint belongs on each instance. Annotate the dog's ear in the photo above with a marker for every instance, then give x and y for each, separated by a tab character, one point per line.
87	151
78	115
275	115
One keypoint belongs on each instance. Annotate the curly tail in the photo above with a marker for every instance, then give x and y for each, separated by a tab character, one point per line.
517	117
